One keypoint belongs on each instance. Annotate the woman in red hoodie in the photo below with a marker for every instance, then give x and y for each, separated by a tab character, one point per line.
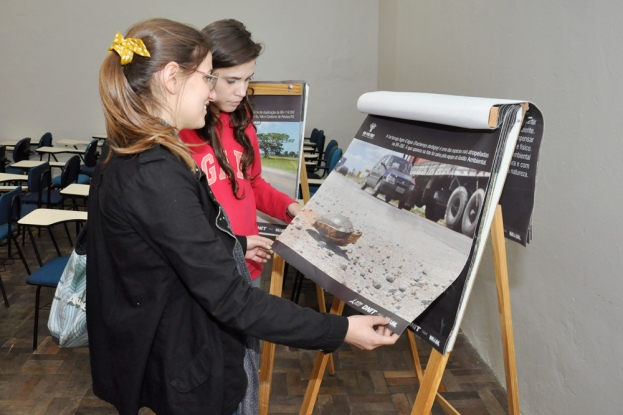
227	148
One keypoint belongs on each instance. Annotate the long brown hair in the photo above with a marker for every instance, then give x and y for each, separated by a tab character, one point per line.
232	45
127	91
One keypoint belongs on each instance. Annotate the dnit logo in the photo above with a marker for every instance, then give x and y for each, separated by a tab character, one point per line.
368	134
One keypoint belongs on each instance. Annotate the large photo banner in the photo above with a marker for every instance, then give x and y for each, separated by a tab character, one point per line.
279	118
396	228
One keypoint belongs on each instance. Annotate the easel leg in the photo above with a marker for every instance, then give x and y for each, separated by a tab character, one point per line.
430	384
504	308
416	361
322	307
449	409
415	355
268	352
266	376
311	394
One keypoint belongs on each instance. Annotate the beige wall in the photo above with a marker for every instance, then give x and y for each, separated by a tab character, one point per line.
51	53
566	287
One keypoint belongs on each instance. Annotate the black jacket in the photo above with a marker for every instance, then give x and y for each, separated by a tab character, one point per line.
167	310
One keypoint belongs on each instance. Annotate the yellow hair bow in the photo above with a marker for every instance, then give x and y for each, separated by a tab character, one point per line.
126	48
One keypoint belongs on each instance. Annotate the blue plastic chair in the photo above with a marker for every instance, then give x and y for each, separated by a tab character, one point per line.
70	174
91	156
336	155
10	209
323	165
21	151
39	189
44	141
48	275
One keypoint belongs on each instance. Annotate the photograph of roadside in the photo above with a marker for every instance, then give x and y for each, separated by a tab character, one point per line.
399	226
402	260
279	121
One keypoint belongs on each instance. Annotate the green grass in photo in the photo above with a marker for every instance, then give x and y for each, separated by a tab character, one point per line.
281	163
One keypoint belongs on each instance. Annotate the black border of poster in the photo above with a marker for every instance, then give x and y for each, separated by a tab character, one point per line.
517	198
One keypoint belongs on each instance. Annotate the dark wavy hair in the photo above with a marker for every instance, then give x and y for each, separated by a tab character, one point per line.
232	45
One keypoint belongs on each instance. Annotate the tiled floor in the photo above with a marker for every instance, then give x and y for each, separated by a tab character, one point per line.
57	381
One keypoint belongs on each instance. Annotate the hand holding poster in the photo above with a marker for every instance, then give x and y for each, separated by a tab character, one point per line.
397	228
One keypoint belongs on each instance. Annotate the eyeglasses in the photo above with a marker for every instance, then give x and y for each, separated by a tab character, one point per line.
210	79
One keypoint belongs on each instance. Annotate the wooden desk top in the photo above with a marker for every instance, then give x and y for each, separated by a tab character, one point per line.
48	217
6	177
73	142
58	150
76	189
27	164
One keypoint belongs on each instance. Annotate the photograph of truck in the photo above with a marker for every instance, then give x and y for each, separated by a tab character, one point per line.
445	191
448	191
359	245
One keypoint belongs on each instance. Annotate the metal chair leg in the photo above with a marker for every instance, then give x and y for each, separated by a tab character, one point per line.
294	285
296	289
34	343
19	251
6	300
285	273
299	288
58	251
34	245
68	234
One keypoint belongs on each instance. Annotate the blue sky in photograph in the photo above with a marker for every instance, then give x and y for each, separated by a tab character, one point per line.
361	155
292	129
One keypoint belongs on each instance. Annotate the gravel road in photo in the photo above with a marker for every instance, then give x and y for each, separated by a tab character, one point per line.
401	262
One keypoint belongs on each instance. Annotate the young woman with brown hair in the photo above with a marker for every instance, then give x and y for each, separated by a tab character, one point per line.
169	301
227	148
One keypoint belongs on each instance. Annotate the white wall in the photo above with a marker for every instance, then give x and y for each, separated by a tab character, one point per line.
566	287
51	53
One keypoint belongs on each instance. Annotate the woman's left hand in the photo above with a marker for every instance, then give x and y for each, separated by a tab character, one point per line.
259	249
293	209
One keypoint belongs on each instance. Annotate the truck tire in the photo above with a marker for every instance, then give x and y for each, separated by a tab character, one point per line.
417	198
472	211
388	198
402	204
365	184
433	211
377	188
455	208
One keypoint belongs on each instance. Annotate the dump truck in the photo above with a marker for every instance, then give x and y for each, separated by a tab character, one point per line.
448	191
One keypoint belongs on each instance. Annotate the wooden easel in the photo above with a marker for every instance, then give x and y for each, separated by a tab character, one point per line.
430	380
437	362
276	279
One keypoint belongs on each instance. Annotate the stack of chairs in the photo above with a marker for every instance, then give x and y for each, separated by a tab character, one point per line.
316	141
